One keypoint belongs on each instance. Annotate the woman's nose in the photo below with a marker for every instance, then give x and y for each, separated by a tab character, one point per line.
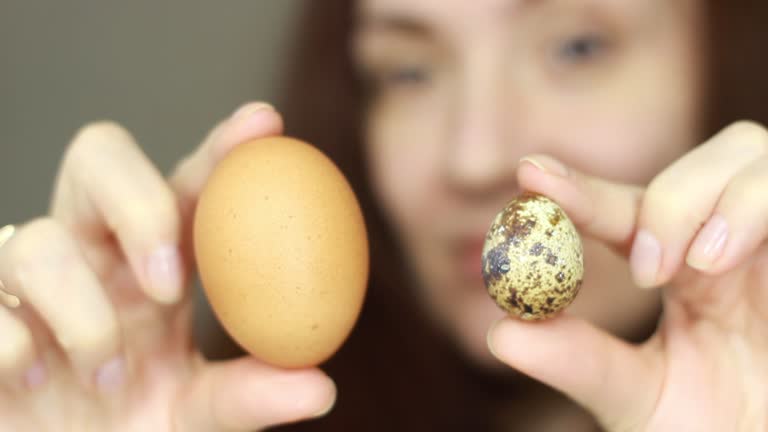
480	152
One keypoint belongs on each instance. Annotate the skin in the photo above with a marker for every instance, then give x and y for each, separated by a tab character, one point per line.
610	137
118	235
478	101
466	89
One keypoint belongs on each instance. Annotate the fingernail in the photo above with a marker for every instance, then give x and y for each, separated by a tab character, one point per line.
248	110
110	376
546	164
645	259
9	300
327	408
489	337
709	243
35	376
308	398
164	274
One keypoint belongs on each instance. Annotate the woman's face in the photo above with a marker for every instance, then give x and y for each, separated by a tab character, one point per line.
463	89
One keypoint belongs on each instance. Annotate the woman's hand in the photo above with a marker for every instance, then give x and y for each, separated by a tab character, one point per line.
699	230
101	341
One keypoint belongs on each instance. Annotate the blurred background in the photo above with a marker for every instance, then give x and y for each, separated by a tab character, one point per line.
168	70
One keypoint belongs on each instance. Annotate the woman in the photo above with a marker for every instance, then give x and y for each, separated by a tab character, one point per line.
597	104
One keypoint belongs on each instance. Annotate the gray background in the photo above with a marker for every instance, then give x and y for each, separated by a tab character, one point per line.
168	70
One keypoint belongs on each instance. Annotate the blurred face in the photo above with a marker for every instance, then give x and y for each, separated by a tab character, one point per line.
463	89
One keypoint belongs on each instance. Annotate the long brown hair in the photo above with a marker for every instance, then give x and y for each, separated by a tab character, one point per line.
392	347
397	372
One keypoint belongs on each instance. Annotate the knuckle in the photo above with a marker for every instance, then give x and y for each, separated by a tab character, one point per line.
16	349
744	189
655	193
749	134
183	165
100	133
190	171
40	243
96	139
159	212
661	203
90	338
165	202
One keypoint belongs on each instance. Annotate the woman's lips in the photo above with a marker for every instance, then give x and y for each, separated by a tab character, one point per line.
471	258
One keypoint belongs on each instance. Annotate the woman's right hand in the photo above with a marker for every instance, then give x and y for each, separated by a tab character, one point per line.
102	341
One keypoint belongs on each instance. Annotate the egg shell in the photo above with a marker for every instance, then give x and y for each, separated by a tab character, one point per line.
532	258
282	251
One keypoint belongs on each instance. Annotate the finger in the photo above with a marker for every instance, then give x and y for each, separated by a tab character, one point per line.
615	381
43	266
244	395
660	222
109	187
17	353
681	199
251	121
599	208
738	225
8	300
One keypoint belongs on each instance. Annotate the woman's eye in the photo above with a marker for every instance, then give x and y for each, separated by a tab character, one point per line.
396	79
404	76
581	49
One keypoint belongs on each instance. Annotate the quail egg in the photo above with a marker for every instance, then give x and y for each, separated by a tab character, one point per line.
532	258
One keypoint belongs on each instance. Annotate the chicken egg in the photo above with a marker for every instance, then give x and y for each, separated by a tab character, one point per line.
282	251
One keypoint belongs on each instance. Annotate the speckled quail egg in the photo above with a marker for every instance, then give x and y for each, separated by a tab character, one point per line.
532	258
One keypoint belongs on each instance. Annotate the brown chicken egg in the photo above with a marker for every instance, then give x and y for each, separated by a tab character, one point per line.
282	251
532	258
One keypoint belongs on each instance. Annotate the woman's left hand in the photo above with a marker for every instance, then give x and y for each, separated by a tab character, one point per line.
699	231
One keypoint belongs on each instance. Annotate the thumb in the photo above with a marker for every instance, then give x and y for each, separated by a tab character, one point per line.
245	395
617	382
